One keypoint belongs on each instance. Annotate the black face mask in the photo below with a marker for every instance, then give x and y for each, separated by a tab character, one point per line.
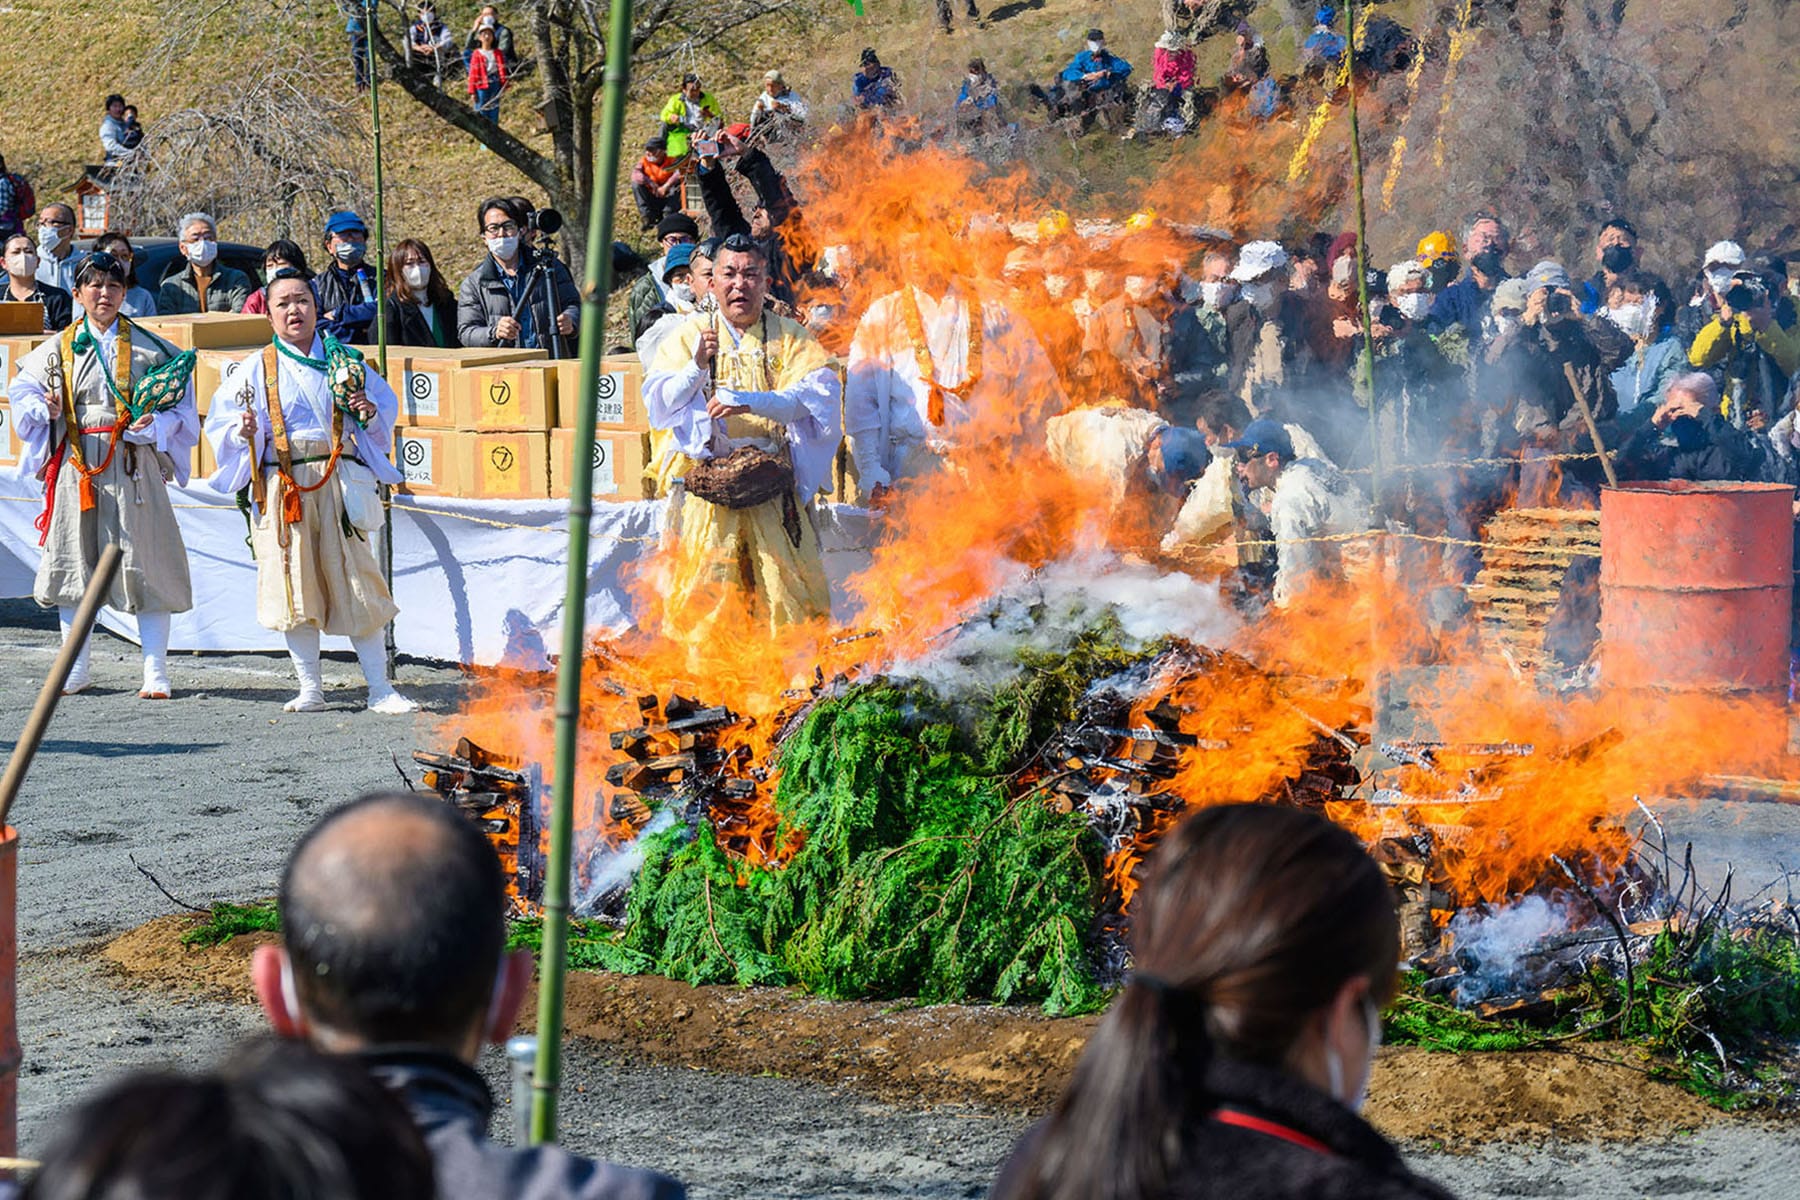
1688	433
1490	263
1617	258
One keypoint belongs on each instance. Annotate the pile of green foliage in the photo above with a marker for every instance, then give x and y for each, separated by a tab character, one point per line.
919	873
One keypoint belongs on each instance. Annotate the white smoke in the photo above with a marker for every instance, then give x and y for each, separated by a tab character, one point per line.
1503	951
610	868
1045	610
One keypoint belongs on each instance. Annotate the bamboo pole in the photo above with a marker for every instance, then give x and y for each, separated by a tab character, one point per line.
370	12
596	284
1366	364
99	584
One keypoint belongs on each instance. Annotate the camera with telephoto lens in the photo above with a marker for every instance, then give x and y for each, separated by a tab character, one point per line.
1557	304
1745	293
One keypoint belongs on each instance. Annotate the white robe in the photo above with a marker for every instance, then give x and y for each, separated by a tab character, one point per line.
886	400
305	406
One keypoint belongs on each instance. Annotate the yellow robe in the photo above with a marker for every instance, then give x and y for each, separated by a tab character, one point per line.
731	562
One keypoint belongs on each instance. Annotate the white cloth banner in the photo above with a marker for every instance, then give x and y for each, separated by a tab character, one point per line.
477	581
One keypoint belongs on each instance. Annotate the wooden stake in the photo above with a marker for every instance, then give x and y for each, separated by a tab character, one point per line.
39	719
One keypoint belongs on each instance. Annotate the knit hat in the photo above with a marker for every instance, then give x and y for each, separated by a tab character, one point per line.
1546	274
678	222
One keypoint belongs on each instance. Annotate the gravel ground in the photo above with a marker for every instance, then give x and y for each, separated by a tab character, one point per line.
209	791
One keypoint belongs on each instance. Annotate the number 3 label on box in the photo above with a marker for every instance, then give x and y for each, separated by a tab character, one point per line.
611	395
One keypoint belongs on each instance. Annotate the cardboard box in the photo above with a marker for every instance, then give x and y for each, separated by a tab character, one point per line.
212	331
427	461
620	459
507	397
21	316
621	403
426	380
209	372
9	445
504	466
12	349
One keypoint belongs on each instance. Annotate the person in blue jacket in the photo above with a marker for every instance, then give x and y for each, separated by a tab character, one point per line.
1093	82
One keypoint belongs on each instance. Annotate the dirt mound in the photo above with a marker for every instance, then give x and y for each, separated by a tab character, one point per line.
1001	1057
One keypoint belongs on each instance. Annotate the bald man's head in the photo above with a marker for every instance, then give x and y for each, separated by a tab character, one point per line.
393	914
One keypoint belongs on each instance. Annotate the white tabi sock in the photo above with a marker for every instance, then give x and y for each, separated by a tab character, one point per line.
303	648
153	634
81	673
371	652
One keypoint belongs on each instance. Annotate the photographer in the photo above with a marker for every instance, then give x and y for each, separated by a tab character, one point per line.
505	300
1542	372
1748	351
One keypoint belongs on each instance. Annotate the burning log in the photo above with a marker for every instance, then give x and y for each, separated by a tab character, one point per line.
501	795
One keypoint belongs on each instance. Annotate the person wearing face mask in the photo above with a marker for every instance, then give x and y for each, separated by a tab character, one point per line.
277	254
1721	261
978	101
23	285
1094	82
303	432
1267	330
1643	311
1236	1059
57	260
1416	386
678	287
1685	437
421	309
1615	254
1749	352
347	285
206	285
105	417
506	301
1486	243
138	300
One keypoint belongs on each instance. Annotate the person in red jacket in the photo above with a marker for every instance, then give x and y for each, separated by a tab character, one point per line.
487	74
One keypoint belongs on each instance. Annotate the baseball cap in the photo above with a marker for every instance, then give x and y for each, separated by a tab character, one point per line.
1511	295
1258	259
772	76
1546	274
678	257
1725	254
1263	436
344	222
1184	456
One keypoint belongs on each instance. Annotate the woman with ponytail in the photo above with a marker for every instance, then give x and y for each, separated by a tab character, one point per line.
1234	1062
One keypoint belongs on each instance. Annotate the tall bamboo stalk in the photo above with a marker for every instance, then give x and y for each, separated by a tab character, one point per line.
596	284
370	12
1366	365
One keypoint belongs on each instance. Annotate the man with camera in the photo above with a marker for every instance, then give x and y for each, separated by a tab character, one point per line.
520	296
1551	375
1748	351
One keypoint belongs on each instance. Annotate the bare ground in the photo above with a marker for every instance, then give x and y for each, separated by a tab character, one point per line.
798	1097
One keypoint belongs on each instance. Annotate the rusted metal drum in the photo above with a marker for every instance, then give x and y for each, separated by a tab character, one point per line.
1696	594
9	993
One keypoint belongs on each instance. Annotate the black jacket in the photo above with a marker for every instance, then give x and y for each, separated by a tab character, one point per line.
1349	1160
482	299
350	294
406	324
1706	448
59	306
451	1105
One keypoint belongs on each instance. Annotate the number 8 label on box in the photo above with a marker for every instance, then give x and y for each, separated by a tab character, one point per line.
611	396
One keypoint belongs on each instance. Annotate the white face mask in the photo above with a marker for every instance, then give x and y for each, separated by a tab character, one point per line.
1629	317
1506	323
1261	295
24	264
503	248
1719	280
1218	292
683	292
1096	47
202	252
1139	287
1354	1098
48	238
1413	304
417	275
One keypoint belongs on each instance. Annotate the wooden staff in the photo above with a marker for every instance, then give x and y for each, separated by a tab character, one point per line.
1593	427
45	708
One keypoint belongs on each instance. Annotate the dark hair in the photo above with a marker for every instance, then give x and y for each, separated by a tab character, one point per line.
112	240
977	65
1622	225
1221	410
99	263
395	943
279	1121
111	100
504	204
285	251
1661	296
1252	919
525	208
437	292
743	243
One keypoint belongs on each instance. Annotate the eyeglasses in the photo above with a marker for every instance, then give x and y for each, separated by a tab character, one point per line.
52	221
503	229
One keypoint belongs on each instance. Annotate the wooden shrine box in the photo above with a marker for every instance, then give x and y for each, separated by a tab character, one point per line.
212	331
21	317
93	202
619	459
